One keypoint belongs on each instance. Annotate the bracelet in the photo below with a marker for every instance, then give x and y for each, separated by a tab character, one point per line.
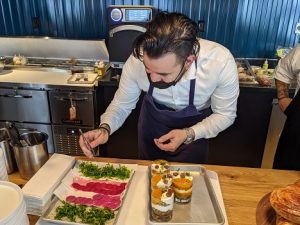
106	127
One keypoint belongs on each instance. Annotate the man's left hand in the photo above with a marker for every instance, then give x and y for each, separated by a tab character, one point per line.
171	141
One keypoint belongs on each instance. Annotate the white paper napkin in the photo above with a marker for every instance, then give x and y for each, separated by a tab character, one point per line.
43	183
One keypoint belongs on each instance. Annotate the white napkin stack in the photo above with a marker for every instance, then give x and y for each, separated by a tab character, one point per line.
3	171
39	189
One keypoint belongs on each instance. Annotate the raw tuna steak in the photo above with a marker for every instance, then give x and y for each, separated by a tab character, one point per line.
98	200
101	188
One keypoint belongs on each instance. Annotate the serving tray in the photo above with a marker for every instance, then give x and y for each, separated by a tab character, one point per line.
203	209
82	78
265	214
50	212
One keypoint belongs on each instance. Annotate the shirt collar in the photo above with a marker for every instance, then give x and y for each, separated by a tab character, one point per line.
190	74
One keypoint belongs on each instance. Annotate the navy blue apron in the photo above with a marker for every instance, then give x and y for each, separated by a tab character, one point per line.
288	150
156	120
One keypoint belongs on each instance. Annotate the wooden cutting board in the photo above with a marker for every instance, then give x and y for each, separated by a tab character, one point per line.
265	214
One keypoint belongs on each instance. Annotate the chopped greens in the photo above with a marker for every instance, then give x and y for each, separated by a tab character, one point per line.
84	214
108	171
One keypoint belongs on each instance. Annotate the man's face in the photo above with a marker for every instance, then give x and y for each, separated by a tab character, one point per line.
164	69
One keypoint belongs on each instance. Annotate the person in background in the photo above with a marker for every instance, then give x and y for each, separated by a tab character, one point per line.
192	89
288	150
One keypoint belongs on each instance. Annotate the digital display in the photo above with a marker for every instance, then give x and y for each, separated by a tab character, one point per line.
137	15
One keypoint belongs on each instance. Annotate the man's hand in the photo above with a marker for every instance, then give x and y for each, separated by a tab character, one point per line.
284	103
95	138
171	141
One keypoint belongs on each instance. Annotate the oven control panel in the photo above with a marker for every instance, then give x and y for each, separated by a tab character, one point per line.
130	14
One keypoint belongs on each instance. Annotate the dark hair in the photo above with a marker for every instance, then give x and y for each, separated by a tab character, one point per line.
168	33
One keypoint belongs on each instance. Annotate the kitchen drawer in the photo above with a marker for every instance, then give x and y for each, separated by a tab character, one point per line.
24	106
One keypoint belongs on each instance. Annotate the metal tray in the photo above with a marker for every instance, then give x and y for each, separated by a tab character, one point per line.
82	78
203	209
48	215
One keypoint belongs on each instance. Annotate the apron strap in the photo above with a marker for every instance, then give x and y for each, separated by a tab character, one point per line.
150	90
192	91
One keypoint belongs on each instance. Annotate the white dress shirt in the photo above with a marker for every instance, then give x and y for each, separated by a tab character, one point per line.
217	86
288	68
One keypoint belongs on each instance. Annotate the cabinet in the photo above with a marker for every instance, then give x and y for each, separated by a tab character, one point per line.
29	109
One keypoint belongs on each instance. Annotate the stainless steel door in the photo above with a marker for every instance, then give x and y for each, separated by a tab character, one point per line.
24	106
61	102
66	139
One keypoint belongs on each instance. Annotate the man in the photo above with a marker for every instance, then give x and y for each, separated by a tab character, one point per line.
288	150
192	89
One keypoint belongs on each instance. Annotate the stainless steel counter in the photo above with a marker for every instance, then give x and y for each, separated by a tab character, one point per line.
39	78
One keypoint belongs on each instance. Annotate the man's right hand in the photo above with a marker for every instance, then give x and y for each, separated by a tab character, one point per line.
95	138
284	103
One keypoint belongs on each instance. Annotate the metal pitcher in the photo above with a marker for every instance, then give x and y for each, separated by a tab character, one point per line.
7	150
32	156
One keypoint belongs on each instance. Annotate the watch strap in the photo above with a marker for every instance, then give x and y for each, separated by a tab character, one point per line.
190	136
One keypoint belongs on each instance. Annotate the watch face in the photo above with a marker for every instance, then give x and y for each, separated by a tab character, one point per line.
189	137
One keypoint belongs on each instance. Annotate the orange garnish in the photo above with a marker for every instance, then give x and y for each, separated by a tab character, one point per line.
182	183
156	193
155	179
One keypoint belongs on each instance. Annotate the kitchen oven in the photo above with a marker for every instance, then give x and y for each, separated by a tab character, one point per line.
125	23
70	111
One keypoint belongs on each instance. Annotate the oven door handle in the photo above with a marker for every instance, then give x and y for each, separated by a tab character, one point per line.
126	27
69	99
15	96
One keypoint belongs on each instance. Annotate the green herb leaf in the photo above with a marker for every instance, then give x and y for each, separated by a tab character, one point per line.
91	170
84	214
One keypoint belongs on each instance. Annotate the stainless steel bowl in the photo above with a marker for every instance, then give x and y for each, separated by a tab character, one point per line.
2	62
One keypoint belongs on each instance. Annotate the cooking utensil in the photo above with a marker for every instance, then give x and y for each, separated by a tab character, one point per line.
13	134
32	157
87	144
249	68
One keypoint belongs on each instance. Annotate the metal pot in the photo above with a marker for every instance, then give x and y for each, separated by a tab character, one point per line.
7	150
32	157
2	62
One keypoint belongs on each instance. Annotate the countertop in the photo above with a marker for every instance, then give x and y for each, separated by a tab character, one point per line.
41	78
242	187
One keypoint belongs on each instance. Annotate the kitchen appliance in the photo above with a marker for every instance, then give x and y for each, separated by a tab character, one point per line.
28	108
33	155
57	110
125	23
70	111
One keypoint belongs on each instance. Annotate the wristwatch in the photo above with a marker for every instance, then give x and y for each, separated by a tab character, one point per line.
190	135
105	126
